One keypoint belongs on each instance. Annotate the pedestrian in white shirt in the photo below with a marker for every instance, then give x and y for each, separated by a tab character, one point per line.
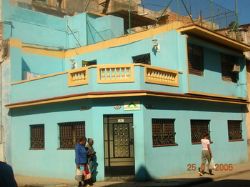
206	154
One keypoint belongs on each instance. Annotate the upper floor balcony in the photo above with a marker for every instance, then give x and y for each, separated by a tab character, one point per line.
97	81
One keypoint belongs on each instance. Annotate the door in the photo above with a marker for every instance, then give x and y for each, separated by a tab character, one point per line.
119	145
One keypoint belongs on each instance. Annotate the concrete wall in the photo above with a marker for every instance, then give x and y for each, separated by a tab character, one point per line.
148	159
211	82
56	32
4	114
173	159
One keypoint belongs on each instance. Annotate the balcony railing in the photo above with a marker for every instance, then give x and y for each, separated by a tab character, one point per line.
115	73
161	76
78	77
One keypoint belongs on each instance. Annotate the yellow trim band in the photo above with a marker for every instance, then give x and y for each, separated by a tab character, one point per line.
119	94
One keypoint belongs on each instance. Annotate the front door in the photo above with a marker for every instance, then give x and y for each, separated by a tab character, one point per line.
119	145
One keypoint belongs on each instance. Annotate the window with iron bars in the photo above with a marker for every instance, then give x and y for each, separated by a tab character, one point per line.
70	133
195	59
234	130
37	136
198	129
163	132
227	64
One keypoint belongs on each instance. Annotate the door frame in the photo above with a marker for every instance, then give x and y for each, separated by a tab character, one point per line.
109	120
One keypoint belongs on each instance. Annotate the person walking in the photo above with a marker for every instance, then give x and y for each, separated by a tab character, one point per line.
81	160
206	154
92	159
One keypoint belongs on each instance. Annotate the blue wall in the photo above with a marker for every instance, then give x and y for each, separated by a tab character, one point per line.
148	159
60	33
173	159
211	81
27	25
103	28
58	86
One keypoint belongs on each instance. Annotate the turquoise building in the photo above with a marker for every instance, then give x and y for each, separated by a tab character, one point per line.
145	98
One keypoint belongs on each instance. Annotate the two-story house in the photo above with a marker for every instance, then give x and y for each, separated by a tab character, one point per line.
145	98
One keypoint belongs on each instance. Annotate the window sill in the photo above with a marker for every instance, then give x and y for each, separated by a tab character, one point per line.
196	143
236	140
37	149
65	149
165	145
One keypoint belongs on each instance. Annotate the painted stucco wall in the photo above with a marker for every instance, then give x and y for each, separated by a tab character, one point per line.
45	88
173	56
211	82
56	32
149	161
27	25
103	28
171	160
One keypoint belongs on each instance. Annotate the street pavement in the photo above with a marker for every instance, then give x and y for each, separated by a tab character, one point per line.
238	173
239	180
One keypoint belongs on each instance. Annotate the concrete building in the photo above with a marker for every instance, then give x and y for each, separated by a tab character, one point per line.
145	98
242	35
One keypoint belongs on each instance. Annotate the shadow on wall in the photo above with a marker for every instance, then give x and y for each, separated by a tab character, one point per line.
143	175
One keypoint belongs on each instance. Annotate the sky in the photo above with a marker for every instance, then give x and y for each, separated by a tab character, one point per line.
204	7
243	9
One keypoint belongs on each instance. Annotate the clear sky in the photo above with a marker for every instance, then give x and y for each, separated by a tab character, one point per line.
243	8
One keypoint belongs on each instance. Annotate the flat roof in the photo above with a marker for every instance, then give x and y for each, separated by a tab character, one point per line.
204	33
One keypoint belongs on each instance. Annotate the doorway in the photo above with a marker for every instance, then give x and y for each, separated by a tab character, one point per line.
119	145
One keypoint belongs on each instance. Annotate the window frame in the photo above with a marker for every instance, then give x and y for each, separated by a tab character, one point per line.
167	121
33	127
234	122
195	59
194	122
227	64
142	59
74	138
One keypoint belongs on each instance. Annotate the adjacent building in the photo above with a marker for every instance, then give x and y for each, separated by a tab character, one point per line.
242	34
145	98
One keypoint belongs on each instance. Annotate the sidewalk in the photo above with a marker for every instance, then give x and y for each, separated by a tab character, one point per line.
186	179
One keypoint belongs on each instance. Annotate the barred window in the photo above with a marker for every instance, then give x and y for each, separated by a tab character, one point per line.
37	136
70	133
163	132
198	129
227	65
195	60
234	130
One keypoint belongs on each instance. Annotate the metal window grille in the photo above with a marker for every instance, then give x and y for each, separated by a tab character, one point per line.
163	132
37	136
227	63
198	129
195	59
234	130
70	133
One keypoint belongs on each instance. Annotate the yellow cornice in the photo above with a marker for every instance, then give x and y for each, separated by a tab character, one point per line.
15	43
44	52
135	93
214	37
27	48
126	39
123	40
